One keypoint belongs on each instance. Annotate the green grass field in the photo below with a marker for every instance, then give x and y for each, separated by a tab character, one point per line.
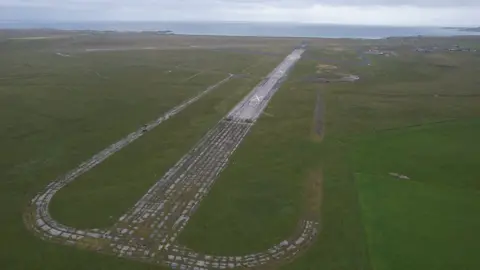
427	221
58	111
269	194
415	115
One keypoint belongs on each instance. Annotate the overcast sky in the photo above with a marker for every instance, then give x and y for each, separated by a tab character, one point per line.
365	12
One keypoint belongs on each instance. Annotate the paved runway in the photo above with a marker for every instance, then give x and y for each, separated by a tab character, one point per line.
250	108
149	230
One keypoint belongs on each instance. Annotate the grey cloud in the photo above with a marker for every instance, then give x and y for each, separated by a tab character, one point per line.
416	3
336	11
189	4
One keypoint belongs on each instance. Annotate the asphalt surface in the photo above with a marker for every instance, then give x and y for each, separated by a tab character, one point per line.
250	108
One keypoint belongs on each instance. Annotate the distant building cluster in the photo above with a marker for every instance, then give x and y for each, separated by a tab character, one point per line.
165	32
454	48
457	48
426	50
376	51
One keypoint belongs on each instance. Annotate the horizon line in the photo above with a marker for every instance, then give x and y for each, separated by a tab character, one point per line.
233	22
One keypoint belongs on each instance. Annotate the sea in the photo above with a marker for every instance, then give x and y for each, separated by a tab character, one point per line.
244	29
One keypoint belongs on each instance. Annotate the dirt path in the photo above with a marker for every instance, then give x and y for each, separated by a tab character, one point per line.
318	117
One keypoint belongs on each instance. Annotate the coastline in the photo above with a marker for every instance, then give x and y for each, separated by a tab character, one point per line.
241	29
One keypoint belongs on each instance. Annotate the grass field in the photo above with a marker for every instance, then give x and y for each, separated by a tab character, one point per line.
416	115
269	194
58	111
425	222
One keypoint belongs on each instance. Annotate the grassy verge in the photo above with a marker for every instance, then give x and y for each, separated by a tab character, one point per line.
412	225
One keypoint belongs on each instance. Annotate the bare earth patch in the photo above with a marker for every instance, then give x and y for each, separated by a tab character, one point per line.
314	194
318	130
322	67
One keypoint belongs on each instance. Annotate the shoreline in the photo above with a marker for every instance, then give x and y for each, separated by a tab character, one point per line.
277	31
